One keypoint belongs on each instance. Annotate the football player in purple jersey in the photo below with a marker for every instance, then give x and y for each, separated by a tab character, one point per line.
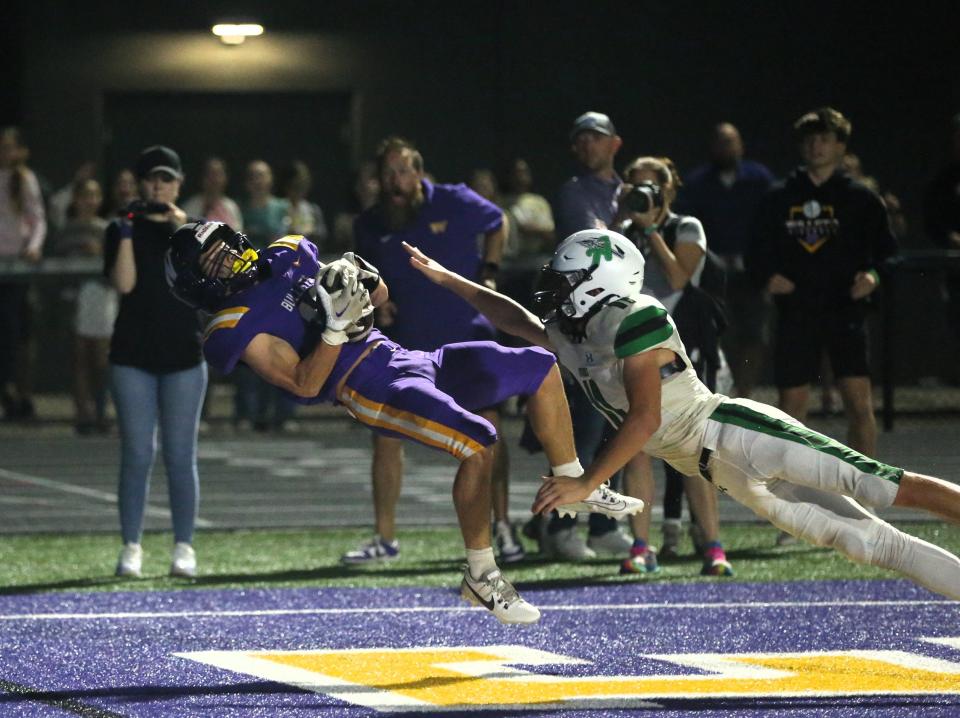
307	327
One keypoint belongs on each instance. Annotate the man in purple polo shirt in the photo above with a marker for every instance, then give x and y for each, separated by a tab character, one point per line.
450	220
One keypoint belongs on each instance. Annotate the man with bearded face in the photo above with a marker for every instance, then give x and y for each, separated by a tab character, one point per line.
448	219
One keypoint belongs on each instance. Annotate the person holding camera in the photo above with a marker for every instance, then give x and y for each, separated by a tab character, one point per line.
675	250
158	376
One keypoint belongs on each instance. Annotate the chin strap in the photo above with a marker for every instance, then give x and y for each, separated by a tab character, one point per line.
576	328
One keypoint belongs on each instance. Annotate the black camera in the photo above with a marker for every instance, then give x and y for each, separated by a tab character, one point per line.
141	207
643	197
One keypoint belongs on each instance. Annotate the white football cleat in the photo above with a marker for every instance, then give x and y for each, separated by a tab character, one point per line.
606	501
497	595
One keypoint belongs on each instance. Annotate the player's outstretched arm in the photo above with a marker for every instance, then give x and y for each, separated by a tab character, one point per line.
641	378
506	314
277	362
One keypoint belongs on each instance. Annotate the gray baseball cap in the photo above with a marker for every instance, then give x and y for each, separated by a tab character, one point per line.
593	122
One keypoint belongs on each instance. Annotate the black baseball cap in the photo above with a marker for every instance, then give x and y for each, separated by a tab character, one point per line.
159	159
593	122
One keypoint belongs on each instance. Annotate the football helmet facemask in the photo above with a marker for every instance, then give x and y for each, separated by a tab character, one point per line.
588	269
207	262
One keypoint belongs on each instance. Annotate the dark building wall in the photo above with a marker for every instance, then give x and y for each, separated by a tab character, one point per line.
477	83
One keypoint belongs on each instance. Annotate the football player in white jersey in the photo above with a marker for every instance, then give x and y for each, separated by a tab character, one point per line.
623	348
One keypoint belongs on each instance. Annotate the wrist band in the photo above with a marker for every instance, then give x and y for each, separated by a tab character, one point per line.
647	231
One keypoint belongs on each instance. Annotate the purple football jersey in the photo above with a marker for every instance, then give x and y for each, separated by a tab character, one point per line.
270	307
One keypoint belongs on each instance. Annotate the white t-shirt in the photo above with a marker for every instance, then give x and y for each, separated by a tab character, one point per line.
655	281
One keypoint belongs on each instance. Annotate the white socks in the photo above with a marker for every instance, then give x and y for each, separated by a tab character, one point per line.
480	561
571	468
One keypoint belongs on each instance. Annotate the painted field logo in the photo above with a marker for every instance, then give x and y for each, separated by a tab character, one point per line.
486	677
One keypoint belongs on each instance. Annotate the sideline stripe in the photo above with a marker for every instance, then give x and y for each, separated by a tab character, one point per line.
56	699
459	609
95	494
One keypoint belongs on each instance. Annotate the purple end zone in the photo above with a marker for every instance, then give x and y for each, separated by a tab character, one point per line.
107	666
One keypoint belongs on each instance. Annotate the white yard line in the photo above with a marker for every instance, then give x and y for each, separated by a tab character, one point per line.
458	609
95	494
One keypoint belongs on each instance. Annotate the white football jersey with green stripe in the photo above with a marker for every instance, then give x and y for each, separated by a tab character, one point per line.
631	326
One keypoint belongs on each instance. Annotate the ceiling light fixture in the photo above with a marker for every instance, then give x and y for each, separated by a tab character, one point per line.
236	33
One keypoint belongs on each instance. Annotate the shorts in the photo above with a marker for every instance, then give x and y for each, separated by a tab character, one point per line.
432	397
802	338
97	305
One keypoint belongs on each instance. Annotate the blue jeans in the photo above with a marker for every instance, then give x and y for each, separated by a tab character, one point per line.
259	402
172	401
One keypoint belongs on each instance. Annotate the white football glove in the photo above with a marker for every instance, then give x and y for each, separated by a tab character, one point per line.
360	329
339	274
367	274
343	298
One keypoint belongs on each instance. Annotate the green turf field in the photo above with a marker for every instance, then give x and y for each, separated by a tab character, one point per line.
275	559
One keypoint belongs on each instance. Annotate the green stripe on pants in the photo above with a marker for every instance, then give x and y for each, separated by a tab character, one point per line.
747	418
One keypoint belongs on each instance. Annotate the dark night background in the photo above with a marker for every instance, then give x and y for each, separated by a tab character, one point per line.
476	83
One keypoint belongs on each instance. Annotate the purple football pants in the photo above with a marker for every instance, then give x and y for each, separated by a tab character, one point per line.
431	397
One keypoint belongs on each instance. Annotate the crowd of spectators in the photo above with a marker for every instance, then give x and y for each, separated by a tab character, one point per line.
801	259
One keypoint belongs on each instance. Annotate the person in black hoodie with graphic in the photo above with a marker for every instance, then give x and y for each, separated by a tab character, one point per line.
819	241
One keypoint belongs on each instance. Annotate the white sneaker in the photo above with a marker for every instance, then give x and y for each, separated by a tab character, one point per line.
606	501
567	544
509	548
376	550
613	543
131	561
497	595
184	562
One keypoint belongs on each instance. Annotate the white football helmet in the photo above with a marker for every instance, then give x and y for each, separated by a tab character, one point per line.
589	268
